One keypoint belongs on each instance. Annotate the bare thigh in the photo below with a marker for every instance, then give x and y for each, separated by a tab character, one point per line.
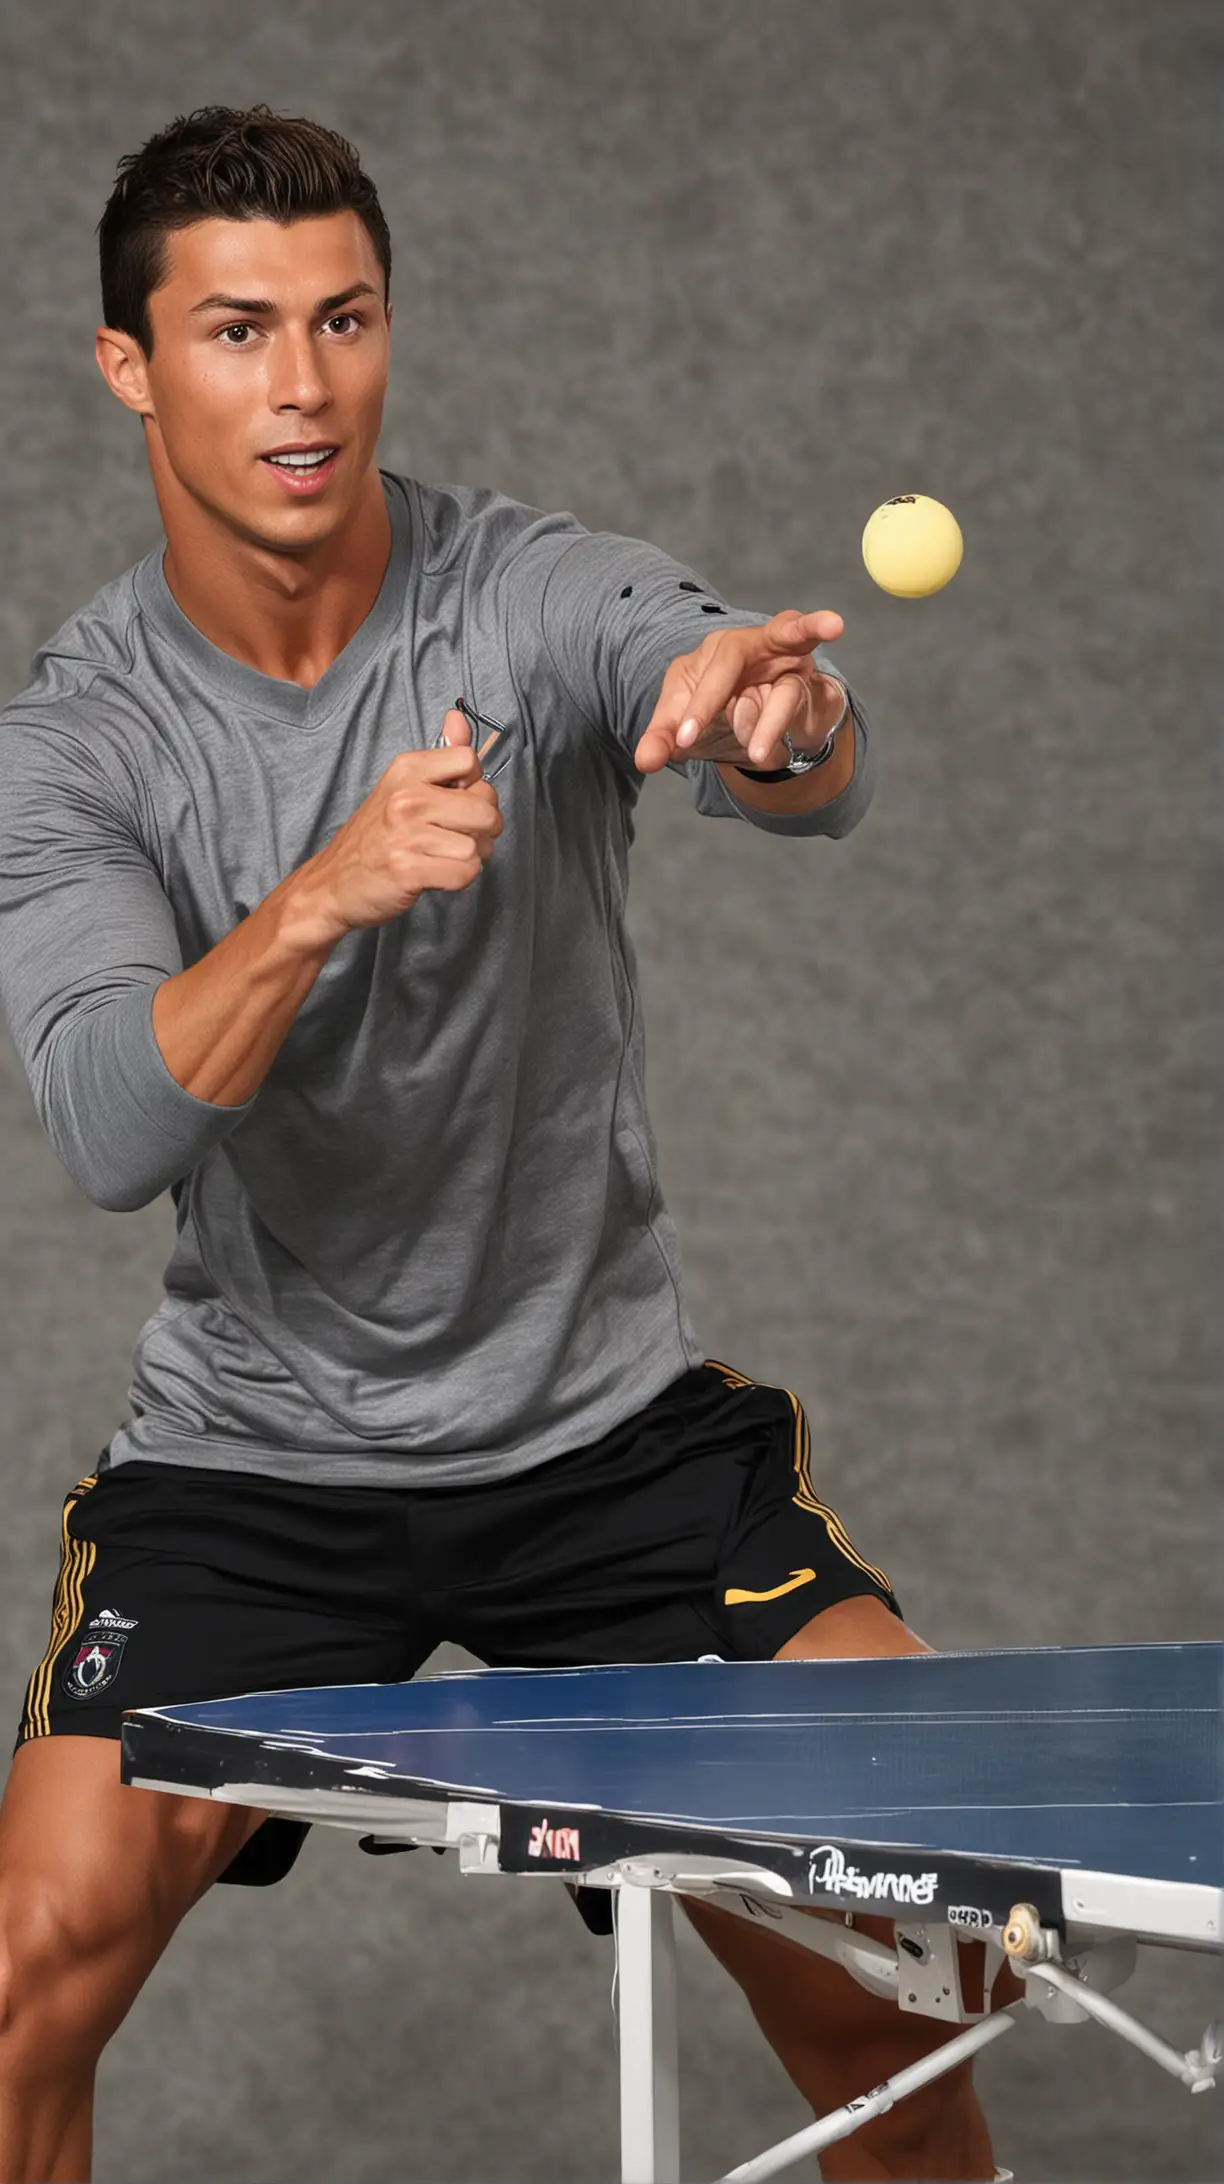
94	1878
857	1629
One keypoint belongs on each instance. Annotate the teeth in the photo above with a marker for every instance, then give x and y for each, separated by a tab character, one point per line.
303	462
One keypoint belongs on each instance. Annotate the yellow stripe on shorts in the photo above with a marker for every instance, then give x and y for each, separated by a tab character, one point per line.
76	1561
807	1498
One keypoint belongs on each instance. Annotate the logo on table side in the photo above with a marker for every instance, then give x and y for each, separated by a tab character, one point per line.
829	1875
99	1654
549	1842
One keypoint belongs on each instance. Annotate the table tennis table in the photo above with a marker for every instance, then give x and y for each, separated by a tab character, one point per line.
1062	1806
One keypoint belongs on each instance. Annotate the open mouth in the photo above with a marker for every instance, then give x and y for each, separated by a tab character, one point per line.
303	470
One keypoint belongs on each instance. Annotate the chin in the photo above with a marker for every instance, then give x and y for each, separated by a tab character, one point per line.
291	530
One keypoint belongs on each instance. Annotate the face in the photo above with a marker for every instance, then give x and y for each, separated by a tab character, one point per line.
263	395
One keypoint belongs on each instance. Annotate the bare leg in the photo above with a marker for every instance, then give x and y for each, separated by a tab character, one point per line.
833	2038
94	1878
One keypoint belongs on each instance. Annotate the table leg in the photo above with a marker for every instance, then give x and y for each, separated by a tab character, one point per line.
649	2060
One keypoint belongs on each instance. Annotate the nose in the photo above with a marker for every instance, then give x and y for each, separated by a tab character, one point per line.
297	380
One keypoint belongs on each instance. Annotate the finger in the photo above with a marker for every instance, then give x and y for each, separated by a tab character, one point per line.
456	727
468	813
791	631
657	743
785	706
727	677
738	664
655	748
762	655
448	874
744	712
450	845
672	727
455	765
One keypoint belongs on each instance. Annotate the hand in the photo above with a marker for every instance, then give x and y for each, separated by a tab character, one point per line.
430	823
732	698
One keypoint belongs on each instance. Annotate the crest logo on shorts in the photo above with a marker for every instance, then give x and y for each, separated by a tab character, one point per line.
99	1654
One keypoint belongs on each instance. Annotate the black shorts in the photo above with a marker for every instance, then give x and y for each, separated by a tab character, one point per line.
693	1528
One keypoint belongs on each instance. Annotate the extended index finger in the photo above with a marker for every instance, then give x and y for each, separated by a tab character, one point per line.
791	631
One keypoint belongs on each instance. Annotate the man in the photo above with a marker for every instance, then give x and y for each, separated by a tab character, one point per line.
313	876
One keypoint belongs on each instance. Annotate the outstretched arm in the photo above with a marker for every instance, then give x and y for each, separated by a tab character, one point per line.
640	645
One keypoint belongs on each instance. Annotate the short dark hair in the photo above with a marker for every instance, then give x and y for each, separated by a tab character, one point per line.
227	163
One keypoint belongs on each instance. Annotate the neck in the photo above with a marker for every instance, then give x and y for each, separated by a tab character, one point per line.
287	615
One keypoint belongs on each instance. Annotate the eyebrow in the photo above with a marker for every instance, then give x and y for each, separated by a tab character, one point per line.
262	307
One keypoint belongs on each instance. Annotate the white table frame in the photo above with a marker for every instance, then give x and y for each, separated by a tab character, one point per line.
647	2011
1066	1979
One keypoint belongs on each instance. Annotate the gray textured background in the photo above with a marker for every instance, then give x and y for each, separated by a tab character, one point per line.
937	1106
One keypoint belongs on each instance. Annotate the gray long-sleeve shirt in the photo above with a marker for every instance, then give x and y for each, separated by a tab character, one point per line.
432	1248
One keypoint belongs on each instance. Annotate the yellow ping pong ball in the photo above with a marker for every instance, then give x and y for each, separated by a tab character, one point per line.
912	546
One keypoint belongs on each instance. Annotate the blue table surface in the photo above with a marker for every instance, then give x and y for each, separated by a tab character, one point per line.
1104	1757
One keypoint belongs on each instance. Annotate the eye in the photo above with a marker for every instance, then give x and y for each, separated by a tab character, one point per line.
342	321
239	331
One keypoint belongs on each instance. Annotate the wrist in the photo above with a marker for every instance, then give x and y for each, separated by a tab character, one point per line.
799	794
308	924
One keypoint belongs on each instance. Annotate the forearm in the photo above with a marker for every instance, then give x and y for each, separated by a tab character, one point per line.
221	1023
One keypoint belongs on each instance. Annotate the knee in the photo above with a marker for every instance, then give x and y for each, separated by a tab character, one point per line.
940	2120
51	1978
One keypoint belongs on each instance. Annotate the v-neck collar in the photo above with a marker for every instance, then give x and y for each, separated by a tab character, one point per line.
287	701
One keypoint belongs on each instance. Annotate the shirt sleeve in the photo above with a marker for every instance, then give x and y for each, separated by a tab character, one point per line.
615	612
87	935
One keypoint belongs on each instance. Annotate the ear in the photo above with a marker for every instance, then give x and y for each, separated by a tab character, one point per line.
121	361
